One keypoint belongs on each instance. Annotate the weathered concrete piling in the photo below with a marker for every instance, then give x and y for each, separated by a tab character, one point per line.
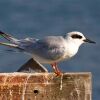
45	86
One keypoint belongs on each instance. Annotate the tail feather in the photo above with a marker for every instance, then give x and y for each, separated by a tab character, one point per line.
9	37
10	45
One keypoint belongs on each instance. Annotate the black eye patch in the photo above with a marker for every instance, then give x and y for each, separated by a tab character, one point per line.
76	36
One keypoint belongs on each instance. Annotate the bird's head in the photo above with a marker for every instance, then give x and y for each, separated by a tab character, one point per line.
78	38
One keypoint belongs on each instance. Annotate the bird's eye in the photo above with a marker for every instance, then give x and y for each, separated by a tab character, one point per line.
76	36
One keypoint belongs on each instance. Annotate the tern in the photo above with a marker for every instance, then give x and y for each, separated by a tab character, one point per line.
50	49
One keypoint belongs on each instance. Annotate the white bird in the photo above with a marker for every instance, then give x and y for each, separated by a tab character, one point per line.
50	49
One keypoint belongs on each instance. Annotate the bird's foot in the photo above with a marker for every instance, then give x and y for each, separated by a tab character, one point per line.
56	70
58	73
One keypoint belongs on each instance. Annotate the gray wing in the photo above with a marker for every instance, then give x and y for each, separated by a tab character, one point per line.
50	47
27	42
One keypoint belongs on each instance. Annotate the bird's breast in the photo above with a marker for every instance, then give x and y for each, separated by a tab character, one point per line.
70	51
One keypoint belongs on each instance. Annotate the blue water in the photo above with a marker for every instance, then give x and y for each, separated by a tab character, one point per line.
39	18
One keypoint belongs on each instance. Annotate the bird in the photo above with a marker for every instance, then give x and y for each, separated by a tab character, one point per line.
50	49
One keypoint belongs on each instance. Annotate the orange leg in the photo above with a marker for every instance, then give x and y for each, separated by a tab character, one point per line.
55	68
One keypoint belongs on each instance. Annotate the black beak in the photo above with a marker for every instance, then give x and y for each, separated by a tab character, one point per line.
88	40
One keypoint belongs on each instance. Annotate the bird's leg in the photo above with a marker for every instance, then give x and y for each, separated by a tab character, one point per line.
55	68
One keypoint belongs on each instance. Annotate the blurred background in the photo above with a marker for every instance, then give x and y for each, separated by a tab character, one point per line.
39	18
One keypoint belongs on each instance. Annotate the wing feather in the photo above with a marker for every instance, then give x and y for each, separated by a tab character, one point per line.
48	48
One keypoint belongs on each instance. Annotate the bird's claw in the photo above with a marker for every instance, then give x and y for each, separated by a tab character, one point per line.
58	73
